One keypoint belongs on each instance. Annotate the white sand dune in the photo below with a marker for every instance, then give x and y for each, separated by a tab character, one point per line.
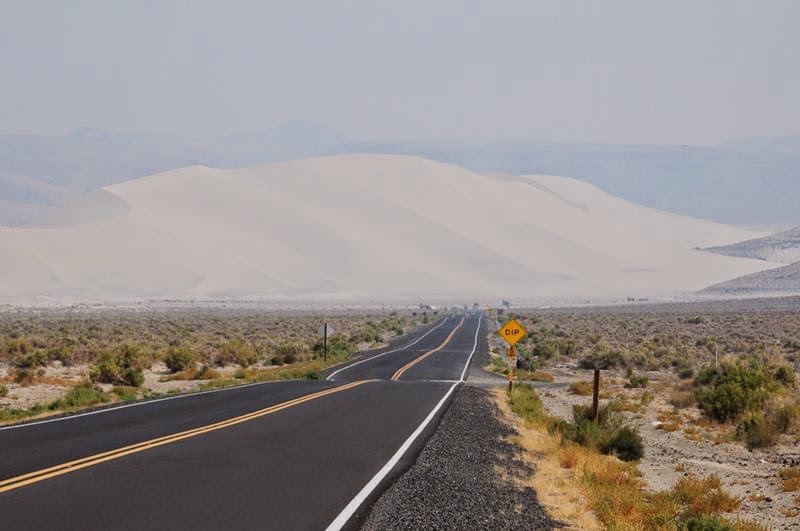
358	227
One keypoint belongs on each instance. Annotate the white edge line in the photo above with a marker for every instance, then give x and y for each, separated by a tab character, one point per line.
347	513
331	375
474	347
141	403
362	495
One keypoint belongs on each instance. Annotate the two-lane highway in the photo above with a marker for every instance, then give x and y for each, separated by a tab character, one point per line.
281	455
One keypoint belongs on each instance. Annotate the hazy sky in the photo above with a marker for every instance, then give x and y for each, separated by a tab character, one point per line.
610	71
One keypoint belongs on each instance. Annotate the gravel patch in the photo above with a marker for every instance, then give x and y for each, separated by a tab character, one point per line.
464	477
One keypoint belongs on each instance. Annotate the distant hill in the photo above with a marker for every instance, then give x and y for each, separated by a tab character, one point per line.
360	228
747	182
38	173
783	279
783	247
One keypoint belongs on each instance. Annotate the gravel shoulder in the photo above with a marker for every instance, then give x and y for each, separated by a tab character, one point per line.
466	477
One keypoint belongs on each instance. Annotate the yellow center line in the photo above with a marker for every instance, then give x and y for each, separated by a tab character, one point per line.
71	466
396	376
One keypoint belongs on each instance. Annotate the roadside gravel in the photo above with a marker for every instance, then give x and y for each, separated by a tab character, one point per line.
464	477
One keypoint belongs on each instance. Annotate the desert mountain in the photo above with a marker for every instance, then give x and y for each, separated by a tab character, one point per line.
783	247
784	279
355	227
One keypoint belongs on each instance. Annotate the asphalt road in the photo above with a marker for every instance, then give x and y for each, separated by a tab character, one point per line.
279	455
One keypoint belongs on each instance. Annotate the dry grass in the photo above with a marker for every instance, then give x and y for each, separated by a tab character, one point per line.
582	388
790	478
576	483
555	485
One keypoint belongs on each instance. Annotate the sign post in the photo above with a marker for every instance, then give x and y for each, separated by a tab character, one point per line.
325	330
511	332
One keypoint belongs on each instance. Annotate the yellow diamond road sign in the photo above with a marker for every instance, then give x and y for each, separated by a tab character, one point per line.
512	332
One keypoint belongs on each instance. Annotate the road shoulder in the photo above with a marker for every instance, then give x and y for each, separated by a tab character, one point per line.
464	478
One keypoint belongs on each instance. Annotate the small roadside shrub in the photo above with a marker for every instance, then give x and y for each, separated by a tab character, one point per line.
626	444
763	430
681	399
30	360
758	432
724	394
704	496
582	388
123	367
686	373
288	359
313	375
637	381
236	351
3	391
276	360
206	373
78	397
706	522
178	359
790	478
603	359
784	375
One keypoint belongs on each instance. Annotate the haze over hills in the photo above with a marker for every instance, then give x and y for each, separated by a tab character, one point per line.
743	182
783	247
360	227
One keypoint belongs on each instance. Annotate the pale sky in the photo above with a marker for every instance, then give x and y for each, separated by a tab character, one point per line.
645	72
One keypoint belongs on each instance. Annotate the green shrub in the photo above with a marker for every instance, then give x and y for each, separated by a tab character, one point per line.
3	391
603	359
758	432
784	375
724	394
313	375
125	393
82	396
785	417
276	360
637	381
121	368
33	358
178	359
236	351
626	444
686	373
706	522
526	403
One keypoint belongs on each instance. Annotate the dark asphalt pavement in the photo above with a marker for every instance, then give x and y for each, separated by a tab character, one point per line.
293	467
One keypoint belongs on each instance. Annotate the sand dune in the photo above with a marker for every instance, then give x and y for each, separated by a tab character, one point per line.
357	227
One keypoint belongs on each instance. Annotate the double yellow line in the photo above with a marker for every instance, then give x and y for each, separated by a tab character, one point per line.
72	466
396	376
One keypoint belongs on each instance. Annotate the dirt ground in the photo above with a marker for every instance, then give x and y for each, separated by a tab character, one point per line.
751	475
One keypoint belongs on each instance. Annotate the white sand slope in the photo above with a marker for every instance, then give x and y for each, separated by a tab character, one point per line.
358	227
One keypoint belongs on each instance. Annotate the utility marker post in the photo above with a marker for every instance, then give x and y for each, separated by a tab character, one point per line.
596	396
512	332
325	330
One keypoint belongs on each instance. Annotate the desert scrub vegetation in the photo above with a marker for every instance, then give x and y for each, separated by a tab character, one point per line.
123	348
613	488
608	434
79	397
735	361
758	395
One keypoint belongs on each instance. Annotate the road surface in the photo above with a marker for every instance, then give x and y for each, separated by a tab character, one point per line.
276	455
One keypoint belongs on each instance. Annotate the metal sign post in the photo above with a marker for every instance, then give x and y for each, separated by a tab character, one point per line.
325	330
512	363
